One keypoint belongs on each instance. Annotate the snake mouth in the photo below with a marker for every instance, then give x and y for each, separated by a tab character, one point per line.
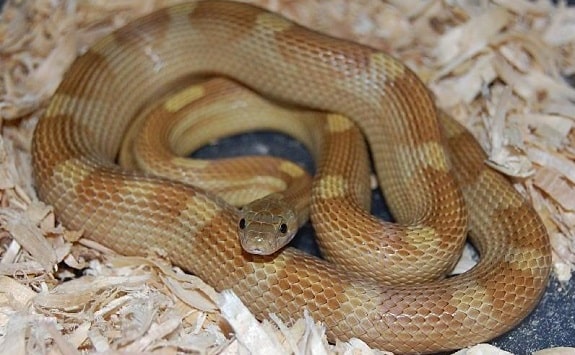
257	251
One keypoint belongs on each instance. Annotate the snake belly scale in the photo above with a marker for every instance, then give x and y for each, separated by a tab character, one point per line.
431	171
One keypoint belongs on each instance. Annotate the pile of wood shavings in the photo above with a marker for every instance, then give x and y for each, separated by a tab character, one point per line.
497	66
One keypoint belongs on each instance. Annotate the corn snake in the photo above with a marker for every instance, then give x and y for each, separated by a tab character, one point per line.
78	139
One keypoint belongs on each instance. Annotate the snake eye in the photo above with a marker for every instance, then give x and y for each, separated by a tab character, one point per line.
283	228
242	223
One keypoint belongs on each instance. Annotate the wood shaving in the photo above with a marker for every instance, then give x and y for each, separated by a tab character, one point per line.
498	66
555	351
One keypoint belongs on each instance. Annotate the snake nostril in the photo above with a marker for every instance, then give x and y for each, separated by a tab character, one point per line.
283	228
242	224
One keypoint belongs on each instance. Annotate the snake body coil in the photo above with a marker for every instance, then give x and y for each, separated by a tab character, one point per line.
77	142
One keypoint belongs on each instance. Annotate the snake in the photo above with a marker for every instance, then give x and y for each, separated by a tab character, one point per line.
273	194
430	168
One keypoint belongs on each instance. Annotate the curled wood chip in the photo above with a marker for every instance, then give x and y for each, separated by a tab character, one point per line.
505	156
463	42
565	167
60	341
14	293
79	335
552	129
467	86
14	339
190	297
561	28
482	349
556	187
354	346
248	331
188	288
24	227
154	333
77	294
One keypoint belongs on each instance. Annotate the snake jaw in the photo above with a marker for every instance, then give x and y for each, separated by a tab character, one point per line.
266	225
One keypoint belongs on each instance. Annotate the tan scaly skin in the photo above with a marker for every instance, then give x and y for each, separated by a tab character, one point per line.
274	194
76	144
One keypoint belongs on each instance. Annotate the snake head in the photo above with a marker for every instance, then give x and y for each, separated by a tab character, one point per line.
266	225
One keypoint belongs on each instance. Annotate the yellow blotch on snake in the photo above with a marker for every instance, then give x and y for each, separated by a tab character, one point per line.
183	98
192	206
392	68
272	22
337	123
428	154
291	169
332	186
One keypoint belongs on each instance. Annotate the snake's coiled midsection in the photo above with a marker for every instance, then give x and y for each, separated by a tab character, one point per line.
78	139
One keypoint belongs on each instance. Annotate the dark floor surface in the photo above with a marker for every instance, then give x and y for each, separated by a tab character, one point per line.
551	324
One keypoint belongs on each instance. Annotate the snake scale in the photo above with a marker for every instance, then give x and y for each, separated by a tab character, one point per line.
430	169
